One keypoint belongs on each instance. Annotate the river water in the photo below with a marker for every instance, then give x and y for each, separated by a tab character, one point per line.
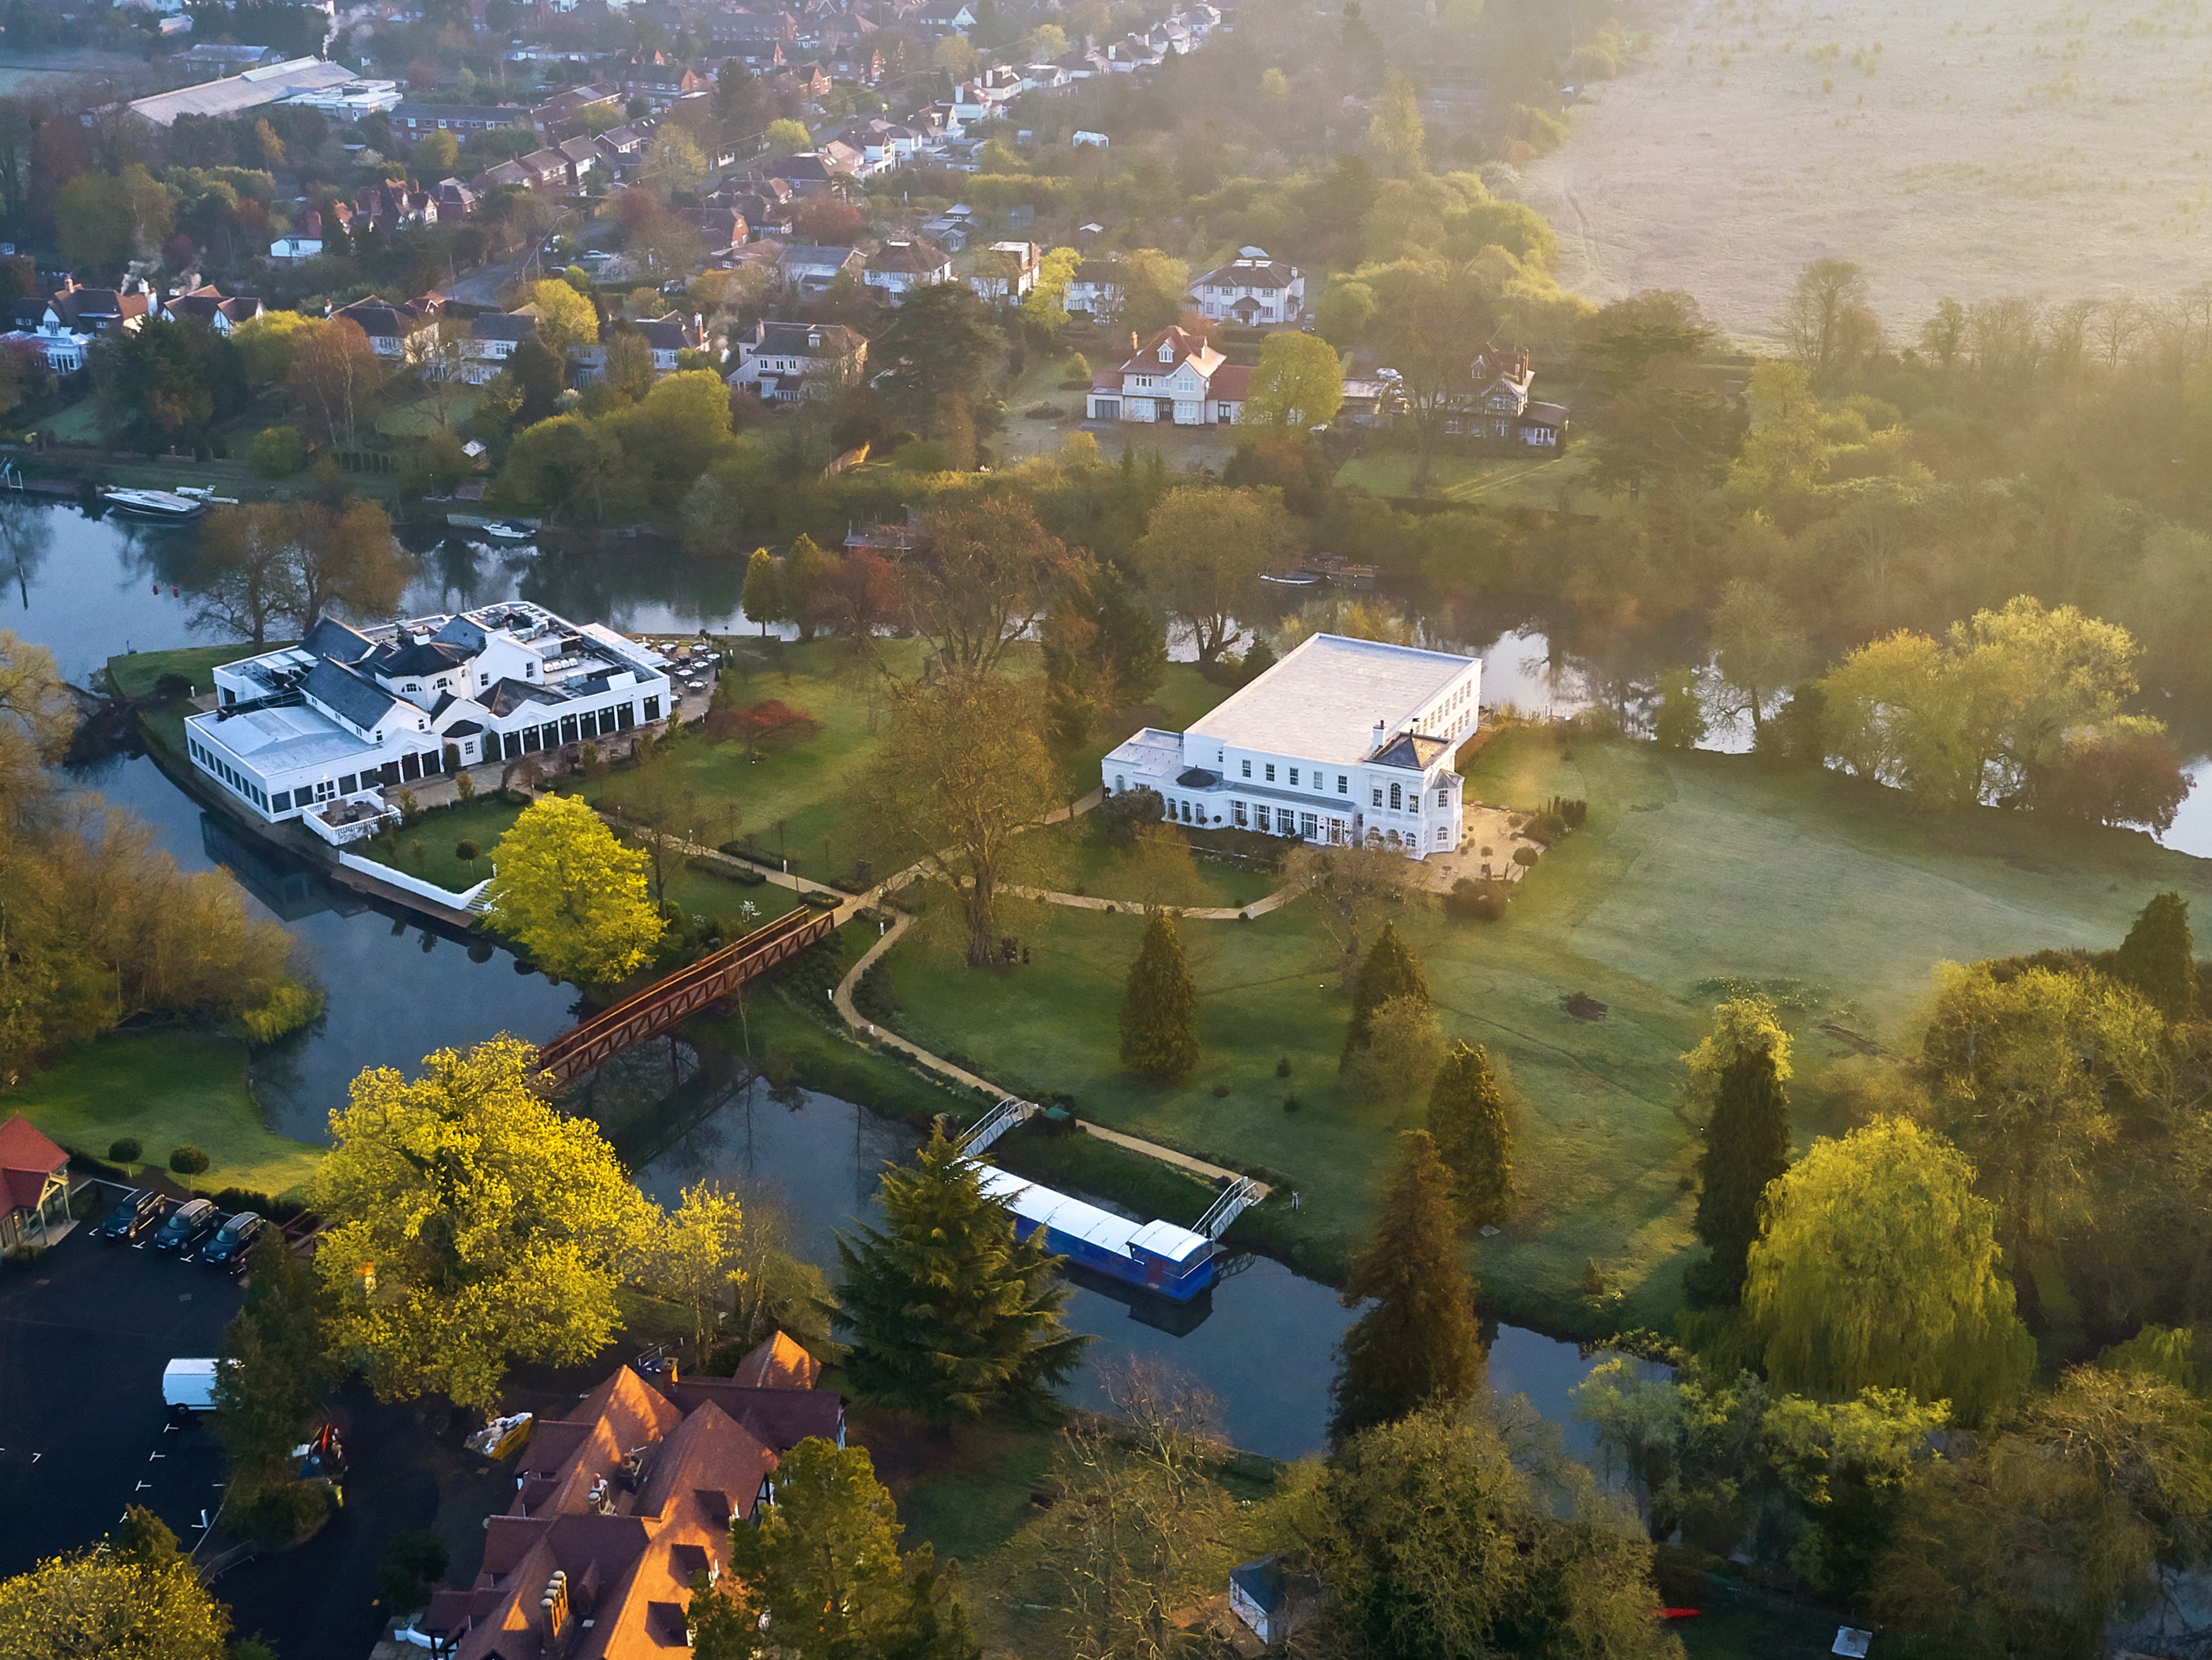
87	587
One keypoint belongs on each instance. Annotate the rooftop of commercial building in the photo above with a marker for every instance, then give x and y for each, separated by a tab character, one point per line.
1324	699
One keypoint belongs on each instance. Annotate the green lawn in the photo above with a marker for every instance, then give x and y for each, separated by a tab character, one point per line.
1497	481
1092	863
79	423
166	1089
420	418
135	673
426	848
1693	868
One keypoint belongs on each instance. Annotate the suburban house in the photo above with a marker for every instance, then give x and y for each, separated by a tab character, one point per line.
806	266
63	326
1005	271
345	712
665	336
1178	379
395	330
206	304
1251	289
1343	741
905	264
1502	411
34	1185
492	340
622	1503
1271	1601
784	361
1095	288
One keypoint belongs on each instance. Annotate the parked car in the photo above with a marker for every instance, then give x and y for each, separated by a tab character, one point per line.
234	1238
190	1222
138	1212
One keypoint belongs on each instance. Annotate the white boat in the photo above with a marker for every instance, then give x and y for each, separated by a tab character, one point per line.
1290	579
153	504
508	530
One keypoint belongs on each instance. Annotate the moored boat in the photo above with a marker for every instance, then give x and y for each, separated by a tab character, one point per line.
153	504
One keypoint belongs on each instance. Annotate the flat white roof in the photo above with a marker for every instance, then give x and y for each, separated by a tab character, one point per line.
1150	748
250	90
1077	1220
277	741
1323	700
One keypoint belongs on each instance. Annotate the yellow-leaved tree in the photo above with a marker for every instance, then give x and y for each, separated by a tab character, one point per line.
565	317
570	894
132	1594
472	1224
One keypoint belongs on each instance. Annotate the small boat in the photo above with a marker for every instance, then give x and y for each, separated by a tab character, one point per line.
508	530
154	504
1291	579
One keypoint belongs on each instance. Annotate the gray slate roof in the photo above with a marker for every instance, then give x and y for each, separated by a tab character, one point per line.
361	702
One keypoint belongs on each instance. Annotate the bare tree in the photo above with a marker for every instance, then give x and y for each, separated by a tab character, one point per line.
986	573
1351	886
1827	324
2116	326
2066	338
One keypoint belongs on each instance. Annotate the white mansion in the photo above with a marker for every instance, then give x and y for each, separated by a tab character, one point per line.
1344	740
345	712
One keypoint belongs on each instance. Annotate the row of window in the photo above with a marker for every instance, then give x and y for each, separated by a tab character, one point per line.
568	729
237	781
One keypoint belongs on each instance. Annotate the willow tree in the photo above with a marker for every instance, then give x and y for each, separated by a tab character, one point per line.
963	775
1879	1267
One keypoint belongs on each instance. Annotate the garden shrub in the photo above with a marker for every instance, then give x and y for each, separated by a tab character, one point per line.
125	1150
278	452
284	1514
187	1161
289	1006
170	687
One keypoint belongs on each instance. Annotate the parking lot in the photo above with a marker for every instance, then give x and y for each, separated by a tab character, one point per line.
84	1338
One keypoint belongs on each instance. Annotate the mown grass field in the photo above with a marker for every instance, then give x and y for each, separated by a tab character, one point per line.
1491	481
166	1089
134	673
1693	868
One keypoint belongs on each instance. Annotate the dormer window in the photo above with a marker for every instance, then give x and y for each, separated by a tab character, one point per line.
1167	354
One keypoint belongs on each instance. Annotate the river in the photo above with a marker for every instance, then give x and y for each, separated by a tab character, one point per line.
86	587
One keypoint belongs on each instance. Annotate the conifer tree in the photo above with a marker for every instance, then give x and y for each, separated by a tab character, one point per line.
1473	1136
950	1314
1389	969
1419	1344
1159	1009
2158	958
1747	1146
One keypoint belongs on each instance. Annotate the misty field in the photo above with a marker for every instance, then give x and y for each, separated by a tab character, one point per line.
1962	148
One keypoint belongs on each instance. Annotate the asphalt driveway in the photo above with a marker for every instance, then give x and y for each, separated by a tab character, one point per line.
84	1338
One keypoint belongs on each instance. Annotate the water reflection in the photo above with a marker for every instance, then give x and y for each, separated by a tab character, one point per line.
1264	1348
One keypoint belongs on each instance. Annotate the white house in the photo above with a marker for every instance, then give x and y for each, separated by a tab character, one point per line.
347	713
1177	380
1005	271
905	264
1252	288
784	361
806	266
1343	741
1095	288
492	340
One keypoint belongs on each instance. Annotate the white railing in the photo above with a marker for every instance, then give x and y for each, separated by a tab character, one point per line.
465	900
1000	1119
359	829
1232	1204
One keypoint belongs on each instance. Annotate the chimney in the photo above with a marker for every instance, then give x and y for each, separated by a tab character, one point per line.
1381	732
1132	340
553	1608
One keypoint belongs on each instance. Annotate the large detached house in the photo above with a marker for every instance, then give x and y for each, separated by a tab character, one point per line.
623	1503
1252	289
1503	409
903	264
1343	741
1178	379
343	712
784	361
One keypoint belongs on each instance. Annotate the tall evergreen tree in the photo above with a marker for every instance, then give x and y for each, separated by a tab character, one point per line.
2158	958
1419	1343
281	1365
1747	1146
1159	1008
1473	1136
1389	969
950	1314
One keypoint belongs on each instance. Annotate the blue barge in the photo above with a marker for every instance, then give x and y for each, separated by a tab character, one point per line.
1162	1258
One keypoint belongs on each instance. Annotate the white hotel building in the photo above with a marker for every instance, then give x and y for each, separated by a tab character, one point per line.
347	713
1344	740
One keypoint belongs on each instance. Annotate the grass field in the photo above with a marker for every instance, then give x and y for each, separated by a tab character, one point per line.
426	848
1973	149
166	1089
1493	481
1092	863
420	418
134	673
1693	868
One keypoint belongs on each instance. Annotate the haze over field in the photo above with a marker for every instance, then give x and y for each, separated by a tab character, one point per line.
1964	148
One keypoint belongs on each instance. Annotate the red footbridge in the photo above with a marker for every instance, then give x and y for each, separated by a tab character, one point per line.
674	998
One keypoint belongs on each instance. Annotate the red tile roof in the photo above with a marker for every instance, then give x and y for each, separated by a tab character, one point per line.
27	1160
1230	384
778	1364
